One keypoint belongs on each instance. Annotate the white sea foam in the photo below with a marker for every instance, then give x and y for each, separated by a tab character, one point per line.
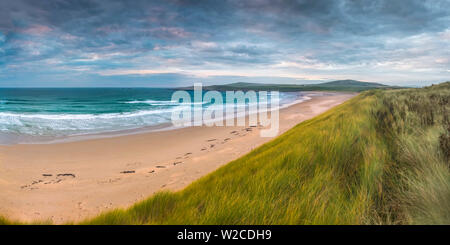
162	102
73	124
8	115
153	102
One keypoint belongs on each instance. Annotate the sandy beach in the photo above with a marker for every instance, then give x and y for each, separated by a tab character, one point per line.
72	181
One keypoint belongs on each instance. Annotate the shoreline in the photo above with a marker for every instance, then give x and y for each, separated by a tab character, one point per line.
59	182
301	97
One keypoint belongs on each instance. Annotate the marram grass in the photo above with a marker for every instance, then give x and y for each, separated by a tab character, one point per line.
416	125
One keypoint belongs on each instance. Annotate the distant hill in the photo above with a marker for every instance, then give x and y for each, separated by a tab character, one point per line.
340	85
352	83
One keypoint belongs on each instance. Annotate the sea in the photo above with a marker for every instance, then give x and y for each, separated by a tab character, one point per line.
47	115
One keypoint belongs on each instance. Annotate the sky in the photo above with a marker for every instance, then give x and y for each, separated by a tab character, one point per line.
119	43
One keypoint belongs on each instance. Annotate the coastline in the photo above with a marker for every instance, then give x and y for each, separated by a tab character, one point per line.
127	168
25	139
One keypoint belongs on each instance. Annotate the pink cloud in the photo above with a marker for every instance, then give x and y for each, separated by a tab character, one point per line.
110	29
169	32
36	30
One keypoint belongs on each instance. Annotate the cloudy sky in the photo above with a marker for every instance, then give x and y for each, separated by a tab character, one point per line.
61	43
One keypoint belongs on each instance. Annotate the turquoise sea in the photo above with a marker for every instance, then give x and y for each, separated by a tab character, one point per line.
39	115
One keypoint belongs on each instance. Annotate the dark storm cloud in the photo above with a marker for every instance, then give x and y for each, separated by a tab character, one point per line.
316	39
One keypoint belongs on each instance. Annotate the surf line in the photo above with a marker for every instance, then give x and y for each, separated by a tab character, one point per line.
192	113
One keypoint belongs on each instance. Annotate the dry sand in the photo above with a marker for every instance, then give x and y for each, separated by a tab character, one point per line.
73	181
